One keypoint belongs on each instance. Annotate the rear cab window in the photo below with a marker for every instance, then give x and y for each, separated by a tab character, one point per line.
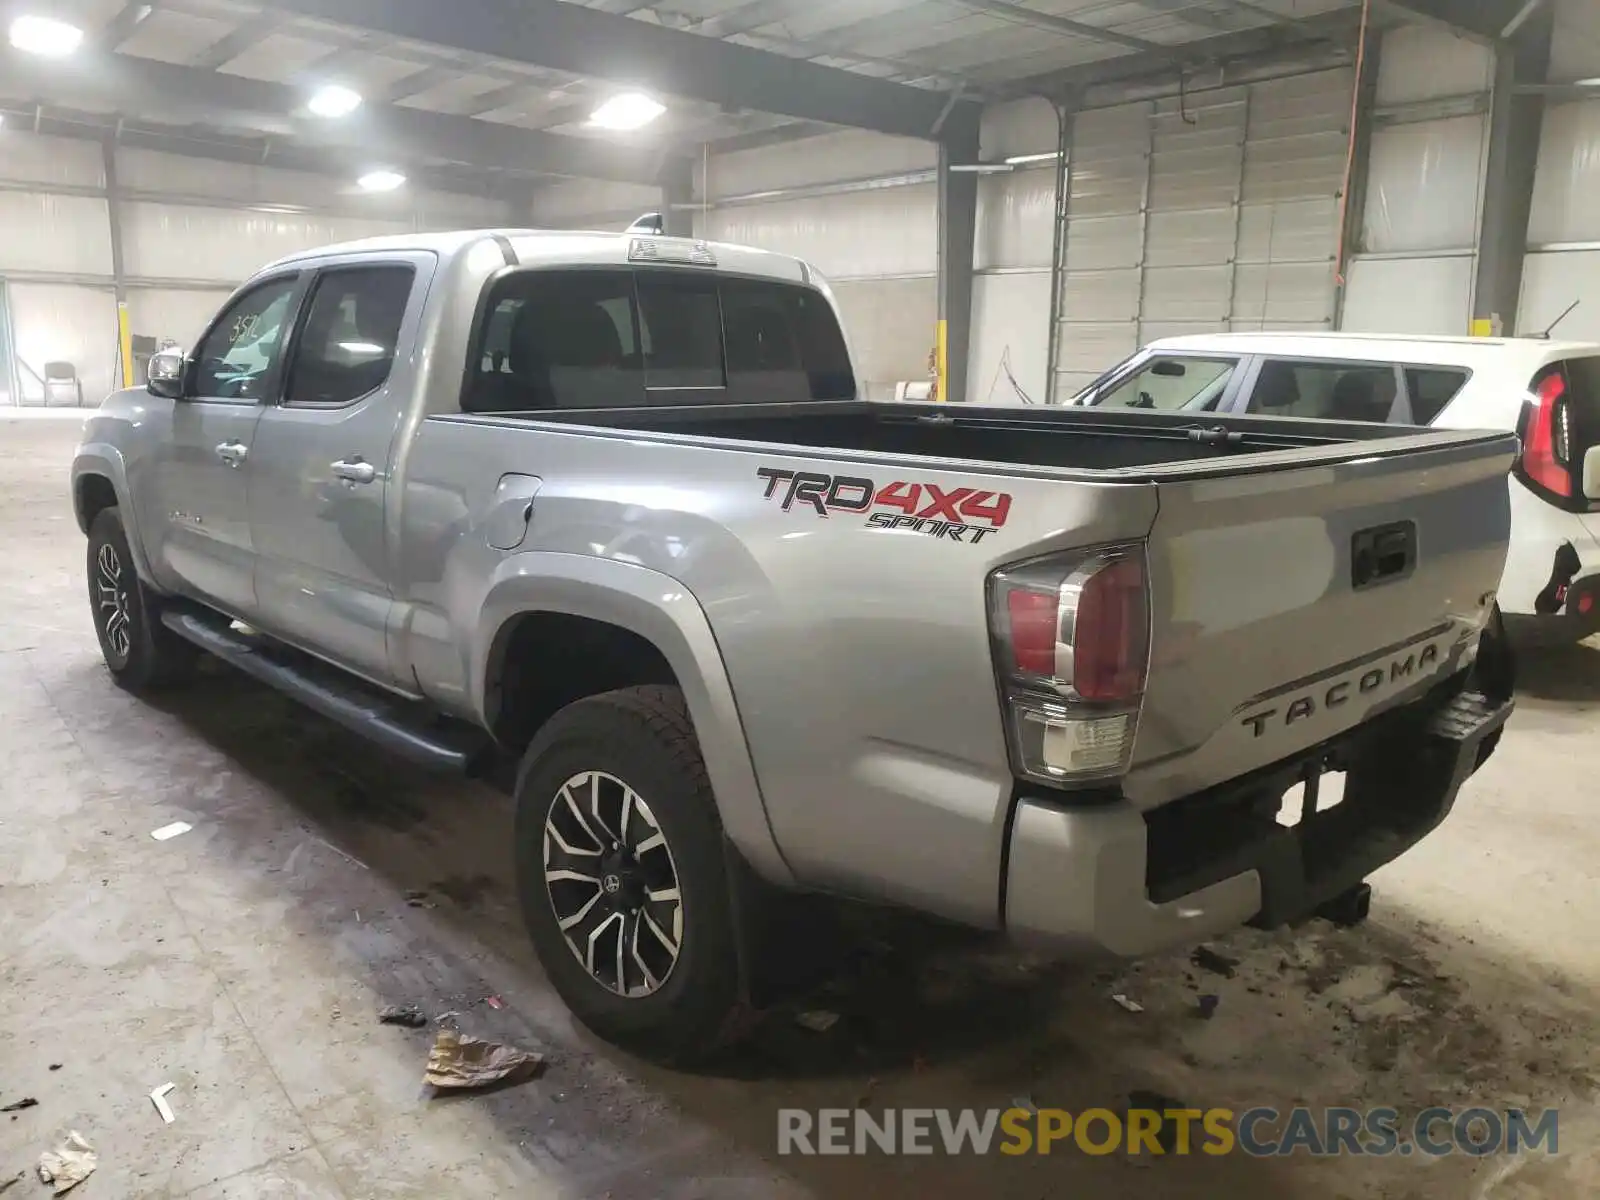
1168	383
617	337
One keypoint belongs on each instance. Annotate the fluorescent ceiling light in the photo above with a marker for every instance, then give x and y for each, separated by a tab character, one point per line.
1017	160
630	110
42	35
381	181
335	100
361	347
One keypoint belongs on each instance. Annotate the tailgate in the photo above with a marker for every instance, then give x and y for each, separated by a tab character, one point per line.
1295	598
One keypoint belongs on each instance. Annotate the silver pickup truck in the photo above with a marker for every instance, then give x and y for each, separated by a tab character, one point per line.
612	503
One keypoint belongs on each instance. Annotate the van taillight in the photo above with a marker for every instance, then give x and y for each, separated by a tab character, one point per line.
1547	437
1072	648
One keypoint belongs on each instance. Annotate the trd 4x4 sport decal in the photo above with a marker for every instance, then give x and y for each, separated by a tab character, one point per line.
960	514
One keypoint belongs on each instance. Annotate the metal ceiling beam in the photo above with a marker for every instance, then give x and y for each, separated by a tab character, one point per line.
1018	14
1339	26
372	134
584	41
1486	20
260	152
228	47
121	27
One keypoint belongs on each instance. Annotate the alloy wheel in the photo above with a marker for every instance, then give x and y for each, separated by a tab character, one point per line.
113	604
613	884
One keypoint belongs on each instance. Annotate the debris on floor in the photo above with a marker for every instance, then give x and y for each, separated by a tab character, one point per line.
458	1062
418	899
7	1184
55	1066
69	1164
1206	1006
167	832
408	1015
159	1099
19	1105
495	1002
1208	959
818	1020
1132	1006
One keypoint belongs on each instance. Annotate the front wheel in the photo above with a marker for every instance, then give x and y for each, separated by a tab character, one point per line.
622	874
140	652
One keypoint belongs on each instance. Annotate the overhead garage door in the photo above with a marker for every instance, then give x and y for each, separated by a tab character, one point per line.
1220	212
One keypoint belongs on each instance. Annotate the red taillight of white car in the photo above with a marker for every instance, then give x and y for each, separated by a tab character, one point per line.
1546	433
1072	647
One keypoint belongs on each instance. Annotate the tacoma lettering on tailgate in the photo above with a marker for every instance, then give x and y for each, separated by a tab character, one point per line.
1398	671
959	514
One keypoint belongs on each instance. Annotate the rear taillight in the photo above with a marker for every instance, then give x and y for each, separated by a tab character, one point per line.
1547	438
1072	646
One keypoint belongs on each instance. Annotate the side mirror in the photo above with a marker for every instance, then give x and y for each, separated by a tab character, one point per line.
165	374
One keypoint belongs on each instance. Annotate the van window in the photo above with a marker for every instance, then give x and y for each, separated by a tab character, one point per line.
1431	388
1333	391
611	338
1168	382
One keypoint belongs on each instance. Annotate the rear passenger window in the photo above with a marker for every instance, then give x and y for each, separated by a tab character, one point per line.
783	345
682	330
1431	388
1334	391
347	344
558	339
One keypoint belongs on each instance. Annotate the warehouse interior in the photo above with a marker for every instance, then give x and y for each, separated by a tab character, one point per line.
1007	198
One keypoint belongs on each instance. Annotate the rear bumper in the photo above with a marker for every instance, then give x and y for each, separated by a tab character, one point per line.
1115	880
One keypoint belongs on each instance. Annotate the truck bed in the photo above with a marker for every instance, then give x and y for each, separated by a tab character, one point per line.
1078	439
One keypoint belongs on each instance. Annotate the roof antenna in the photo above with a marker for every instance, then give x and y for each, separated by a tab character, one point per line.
1545	336
649	223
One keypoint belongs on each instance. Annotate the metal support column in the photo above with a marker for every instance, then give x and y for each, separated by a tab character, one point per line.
677	196
119	274
1516	123
958	230
1353	204
1066	127
1144	221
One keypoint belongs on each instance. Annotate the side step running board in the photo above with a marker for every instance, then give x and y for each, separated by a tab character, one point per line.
399	727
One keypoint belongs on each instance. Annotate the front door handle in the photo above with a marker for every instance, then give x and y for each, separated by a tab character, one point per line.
232	453
354	470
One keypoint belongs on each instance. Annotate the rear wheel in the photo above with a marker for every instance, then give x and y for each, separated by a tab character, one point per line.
622	874
140	652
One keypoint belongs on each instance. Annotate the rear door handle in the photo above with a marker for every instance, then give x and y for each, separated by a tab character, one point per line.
354	470
232	453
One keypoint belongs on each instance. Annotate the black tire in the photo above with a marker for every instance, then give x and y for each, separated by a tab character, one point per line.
141	653
642	737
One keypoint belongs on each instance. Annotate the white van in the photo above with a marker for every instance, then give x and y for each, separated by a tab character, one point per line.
1547	391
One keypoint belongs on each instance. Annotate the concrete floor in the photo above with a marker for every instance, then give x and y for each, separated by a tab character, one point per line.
244	962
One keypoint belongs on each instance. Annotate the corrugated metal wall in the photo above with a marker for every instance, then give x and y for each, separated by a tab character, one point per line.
192	229
1563	263
1425	186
